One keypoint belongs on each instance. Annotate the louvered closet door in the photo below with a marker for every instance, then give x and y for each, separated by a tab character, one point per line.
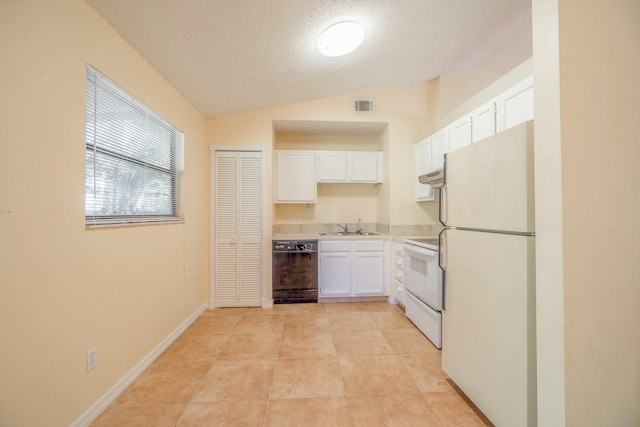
250	232
238	229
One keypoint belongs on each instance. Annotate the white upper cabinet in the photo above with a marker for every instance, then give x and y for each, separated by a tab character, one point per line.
422	155
515	105
350	166
429	157
512	107
365	167
439	147
332	166
483	121
460	133
295	176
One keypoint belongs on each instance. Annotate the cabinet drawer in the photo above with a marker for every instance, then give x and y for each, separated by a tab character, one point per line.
399	293
425	318
398	249
334	245
398	262
368	245
398	275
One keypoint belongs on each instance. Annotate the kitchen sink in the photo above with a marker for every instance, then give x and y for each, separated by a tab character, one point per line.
348	233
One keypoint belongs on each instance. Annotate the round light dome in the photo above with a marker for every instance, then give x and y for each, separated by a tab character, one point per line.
341	38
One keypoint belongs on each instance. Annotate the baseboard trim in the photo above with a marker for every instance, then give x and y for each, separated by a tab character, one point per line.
107	399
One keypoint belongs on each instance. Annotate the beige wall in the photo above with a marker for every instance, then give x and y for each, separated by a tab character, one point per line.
64	289
457	87
600	101
410	112
586	69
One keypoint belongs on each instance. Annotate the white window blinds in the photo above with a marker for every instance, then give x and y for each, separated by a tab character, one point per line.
134	158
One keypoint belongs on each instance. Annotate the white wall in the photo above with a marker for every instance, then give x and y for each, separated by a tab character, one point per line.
63	288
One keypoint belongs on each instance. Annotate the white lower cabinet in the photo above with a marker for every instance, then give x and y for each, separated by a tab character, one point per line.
368	267
353	268
398	291
334	269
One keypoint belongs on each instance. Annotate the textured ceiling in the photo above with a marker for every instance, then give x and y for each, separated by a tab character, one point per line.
227	56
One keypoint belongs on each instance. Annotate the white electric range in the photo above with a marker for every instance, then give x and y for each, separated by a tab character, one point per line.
424	286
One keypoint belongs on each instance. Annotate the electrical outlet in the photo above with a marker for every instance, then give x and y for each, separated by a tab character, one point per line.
325	220
91	359
296	220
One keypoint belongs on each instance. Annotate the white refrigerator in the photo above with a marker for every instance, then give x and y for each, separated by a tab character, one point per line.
488	259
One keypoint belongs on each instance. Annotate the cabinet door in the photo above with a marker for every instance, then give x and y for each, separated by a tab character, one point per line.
296	177
332	166
334	274
439	147
484	121
515	106
368	273
422	154
364	167
460	133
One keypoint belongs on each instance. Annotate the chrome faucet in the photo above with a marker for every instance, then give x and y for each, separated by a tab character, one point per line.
344	227
358	230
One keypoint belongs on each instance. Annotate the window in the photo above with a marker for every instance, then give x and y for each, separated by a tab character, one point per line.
133	158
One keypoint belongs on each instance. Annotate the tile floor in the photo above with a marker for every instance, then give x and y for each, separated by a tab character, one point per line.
333	364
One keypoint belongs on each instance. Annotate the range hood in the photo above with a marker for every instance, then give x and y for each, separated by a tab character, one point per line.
434	179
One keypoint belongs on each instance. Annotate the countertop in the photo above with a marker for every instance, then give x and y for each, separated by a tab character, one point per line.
317	236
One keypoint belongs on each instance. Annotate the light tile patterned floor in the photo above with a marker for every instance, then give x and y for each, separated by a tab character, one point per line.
332	364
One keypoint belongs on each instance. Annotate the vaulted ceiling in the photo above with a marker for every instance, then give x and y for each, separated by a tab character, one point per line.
227	56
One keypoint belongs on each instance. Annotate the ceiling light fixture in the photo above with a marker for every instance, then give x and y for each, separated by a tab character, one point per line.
341	38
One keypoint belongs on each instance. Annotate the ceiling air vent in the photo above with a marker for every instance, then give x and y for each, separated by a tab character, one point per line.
363	105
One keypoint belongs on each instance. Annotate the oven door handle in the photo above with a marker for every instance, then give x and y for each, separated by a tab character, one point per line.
420	251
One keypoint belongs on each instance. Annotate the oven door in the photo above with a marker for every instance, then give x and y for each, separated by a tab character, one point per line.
423	277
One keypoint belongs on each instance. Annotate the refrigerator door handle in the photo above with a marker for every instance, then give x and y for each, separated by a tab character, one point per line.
442	237
442	261
443	196
443	205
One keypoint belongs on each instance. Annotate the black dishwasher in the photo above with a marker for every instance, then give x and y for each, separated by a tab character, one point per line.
295	271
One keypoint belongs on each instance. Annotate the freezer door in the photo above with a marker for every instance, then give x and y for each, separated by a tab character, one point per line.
490	184
488	325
